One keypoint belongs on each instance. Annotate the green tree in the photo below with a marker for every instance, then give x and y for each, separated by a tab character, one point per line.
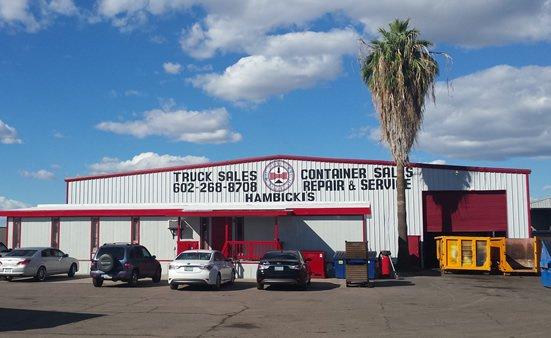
400	71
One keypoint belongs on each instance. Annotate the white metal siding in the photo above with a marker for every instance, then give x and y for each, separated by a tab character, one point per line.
9	228
74	237
381	226
156	237
114	229
320	232
35	232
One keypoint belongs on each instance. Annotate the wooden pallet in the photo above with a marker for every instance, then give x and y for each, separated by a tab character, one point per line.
357	274
356	250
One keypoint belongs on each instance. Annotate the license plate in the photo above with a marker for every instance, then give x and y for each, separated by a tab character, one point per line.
188	268
8	270
278	268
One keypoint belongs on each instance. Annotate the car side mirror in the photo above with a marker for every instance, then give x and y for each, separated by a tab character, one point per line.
65	255
9	250
154	257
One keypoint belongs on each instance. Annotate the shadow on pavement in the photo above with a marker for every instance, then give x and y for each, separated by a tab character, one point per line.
391	282
315	286
142	283
19	320
49	279
237	286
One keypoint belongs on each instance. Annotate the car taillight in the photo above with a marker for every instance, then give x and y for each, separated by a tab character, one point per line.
128	266
171	267
263	265
294	267
25	262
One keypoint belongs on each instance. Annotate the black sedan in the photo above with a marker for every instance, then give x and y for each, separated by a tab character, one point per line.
283	267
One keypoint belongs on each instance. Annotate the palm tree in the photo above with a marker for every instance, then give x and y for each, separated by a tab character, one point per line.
400	72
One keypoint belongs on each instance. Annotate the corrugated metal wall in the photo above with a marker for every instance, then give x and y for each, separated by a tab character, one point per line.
36	232
381	226
114	229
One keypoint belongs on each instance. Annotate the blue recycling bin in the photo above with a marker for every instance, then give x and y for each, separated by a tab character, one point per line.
339	264
372	264
545	263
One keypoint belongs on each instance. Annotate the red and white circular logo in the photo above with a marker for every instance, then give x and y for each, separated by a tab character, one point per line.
278	175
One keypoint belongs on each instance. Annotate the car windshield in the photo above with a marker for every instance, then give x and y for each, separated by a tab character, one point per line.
21	253
194	256
115	251
284	256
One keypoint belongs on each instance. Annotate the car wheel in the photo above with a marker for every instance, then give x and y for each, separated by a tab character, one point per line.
157	277
134	278
260	286
173	286
98	282
9	278
72	270
40	274
216	286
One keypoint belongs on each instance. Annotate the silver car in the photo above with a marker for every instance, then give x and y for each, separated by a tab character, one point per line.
37	262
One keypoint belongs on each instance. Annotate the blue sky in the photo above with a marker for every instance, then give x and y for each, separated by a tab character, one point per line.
90	87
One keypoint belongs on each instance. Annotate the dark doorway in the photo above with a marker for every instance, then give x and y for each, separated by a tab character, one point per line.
218	231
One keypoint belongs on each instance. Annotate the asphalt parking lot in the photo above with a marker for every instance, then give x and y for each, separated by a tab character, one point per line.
453	305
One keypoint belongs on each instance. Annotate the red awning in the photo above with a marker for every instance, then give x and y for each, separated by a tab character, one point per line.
334	211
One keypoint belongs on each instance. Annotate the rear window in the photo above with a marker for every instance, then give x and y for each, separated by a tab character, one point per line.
3	247
21	253
284	256
116	252
194	256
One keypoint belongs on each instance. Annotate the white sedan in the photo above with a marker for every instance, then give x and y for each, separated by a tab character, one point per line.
36	262
207	267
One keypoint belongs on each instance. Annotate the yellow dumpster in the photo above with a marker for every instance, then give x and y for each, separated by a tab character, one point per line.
517	255
460	253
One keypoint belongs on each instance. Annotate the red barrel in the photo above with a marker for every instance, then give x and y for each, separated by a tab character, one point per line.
385	266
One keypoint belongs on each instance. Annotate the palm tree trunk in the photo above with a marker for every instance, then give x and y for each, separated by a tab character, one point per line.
403	251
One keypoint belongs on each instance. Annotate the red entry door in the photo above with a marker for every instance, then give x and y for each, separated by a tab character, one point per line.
218	234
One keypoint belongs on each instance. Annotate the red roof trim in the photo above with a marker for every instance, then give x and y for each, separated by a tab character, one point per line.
180	212
331	211
299	158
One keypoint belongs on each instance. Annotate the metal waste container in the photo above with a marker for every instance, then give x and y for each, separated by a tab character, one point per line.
372	264
545	263
339	264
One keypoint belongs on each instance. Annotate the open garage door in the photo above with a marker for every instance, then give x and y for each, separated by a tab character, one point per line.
477	213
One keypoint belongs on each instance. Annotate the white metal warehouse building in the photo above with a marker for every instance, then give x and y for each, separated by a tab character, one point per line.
245	207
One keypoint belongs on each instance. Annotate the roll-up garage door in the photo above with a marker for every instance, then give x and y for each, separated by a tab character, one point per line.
464	211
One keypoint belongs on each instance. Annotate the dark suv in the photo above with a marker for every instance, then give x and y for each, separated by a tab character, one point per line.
125	262
3	249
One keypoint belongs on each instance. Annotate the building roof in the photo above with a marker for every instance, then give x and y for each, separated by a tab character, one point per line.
300	158
544	203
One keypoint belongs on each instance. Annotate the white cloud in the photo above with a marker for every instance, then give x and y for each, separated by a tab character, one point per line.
494	114
131	92
41	174
7	204
172	68
8	135
58	135
437	162
33	16
146	160
281	63
209	126
234	25
546	187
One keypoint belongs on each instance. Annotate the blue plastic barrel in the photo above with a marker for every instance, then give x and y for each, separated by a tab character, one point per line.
372	264
339	264
545	263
